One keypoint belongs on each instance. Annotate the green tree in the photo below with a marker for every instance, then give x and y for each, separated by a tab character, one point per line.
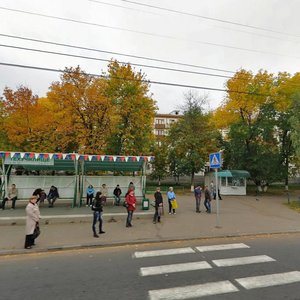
160	163
295	124
134	111
253	146
258	123
193	137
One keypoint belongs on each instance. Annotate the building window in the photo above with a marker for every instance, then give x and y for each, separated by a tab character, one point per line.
159	121
160	132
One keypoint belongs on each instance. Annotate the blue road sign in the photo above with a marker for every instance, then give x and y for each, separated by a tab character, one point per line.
215	160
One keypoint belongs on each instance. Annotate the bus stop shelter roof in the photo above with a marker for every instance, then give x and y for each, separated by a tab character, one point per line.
68	161
234	173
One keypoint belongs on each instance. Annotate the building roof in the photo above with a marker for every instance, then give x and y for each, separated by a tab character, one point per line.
170	116
67	161
234	173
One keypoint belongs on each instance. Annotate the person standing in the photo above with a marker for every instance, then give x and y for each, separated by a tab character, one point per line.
207	199
131	203
97	207
171	196
117	195
32	222
197	193
90	191
158	205
12	195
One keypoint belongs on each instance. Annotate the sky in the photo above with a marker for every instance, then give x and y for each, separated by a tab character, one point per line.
218	35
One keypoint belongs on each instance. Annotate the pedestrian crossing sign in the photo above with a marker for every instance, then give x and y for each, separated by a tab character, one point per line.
215	160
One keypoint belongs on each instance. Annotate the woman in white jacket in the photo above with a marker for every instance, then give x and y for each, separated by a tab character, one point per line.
32	221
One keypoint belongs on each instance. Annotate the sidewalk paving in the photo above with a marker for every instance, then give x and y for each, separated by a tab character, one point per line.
67	228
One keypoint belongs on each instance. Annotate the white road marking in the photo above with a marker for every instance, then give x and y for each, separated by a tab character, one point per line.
164	269
237	261
269	280
193	291
141	254
221	247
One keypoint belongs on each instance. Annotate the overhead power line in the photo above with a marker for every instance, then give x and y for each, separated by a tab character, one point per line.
210	18
147	33
145	81
225	28
107	60
116	53
125	7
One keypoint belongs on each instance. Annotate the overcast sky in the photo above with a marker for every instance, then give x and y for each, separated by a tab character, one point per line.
204	36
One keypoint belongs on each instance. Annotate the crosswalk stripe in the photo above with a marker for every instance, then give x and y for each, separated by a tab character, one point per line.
269	280
246	260
193	291
141	254
164	269
221	247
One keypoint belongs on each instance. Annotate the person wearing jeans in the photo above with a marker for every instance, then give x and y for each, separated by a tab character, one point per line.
90	191
197	193
97	207
131	202
207	199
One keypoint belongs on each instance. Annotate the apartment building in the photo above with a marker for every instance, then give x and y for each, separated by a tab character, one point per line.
162	122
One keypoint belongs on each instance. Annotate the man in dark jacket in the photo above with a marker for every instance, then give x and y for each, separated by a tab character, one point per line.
207	199
52	195
158	205
117	194
41	195
97	207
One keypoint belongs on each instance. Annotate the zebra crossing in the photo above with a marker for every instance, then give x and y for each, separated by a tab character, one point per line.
225	286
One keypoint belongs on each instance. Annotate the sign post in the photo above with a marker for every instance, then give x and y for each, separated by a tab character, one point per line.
215	163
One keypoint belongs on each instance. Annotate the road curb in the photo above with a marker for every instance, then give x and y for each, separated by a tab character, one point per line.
15	252
65	219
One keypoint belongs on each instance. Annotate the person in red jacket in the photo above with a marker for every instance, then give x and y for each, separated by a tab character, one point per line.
131	202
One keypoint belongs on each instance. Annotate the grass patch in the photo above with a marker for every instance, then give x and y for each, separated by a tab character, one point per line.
295	205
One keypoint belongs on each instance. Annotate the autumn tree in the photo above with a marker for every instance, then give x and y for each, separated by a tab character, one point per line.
256	116
134	111
19	113
4	142
82	114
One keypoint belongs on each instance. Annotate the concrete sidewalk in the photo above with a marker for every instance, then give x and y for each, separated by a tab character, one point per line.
67	228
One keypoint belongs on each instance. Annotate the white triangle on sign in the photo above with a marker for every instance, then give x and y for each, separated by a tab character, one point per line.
215	160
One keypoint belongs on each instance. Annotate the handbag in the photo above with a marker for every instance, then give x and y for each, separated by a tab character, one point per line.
36	231
174	204
125	204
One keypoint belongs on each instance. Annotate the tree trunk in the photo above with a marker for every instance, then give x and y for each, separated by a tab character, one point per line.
287	174
192	181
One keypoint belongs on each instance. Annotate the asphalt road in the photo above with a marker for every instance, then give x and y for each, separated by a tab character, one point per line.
251	268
